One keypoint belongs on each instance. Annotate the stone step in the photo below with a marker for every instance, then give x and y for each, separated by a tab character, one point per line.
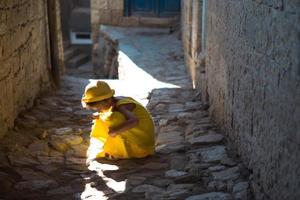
77	60
66	44
82	10
159	22
70	52
86	67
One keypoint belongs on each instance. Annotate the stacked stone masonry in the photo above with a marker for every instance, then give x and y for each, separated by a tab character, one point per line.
23	57
252	78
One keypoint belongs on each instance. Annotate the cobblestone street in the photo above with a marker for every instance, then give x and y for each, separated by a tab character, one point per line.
45	156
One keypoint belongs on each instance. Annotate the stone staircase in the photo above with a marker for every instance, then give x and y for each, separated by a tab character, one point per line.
74	57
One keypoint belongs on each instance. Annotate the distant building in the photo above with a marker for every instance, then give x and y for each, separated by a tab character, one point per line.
129	13
76	21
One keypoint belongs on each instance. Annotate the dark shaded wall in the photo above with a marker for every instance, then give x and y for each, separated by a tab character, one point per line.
66	8
80	19
24	57
28	55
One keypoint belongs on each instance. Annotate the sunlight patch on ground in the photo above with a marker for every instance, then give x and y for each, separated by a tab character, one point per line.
117	186
95	147
132	72
135	82
97	166
92	192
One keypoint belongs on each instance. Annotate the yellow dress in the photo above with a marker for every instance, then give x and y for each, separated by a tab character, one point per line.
137	142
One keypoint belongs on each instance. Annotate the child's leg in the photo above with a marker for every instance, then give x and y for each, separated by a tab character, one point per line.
115	147
136	151
120	148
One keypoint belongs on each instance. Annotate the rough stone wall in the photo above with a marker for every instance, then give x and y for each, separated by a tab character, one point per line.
24	59
106	53
253	82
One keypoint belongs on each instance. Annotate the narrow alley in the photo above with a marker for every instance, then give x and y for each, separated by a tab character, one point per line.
220	79
47	148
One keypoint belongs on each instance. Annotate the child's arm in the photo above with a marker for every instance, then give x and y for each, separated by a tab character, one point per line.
131	120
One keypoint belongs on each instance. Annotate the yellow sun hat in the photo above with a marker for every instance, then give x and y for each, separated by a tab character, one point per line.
97	92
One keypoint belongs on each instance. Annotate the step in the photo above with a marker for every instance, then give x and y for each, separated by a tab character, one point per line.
77	60
86	67
159	22
66	44
70	52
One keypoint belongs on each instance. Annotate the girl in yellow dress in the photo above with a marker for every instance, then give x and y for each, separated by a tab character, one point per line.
122	125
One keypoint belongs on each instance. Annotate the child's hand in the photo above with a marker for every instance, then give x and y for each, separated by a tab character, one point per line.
112	132
95	116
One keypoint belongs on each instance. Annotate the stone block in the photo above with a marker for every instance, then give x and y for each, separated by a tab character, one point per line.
116	16
129	21
95	16
211	196
105	16
117	5
35	185
100	4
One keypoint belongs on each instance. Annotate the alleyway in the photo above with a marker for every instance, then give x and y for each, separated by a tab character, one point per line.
44	157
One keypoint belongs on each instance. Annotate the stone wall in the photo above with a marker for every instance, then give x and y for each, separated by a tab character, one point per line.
105	54
252	81
24	60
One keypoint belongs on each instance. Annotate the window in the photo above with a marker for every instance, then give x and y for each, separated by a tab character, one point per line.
80	37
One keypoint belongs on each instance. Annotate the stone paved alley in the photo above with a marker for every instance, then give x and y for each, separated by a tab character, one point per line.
44	157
